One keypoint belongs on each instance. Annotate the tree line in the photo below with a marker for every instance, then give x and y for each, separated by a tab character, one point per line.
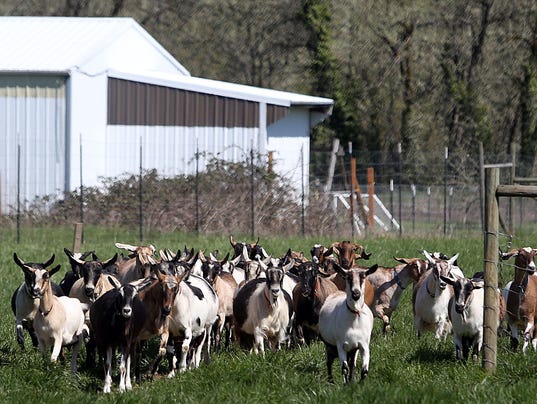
423	74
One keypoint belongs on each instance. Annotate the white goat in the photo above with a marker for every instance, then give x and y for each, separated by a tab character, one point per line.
59	321
262	309
346	323
466	314
431	296
25	299
194	312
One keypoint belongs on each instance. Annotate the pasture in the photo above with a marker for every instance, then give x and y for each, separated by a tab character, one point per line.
402	368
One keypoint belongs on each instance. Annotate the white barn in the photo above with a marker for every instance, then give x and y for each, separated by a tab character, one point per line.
79	98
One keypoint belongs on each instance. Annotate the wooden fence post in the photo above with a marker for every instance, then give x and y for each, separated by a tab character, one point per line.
371	196
77	241
490	307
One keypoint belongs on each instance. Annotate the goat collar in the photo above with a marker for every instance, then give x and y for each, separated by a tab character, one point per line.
46	313
354	311
270	304
316	288
398	280
432	294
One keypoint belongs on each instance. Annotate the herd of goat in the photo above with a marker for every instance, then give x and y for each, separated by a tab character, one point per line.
196	303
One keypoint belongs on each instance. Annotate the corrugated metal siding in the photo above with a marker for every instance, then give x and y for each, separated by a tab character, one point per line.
171	150
134	103
32	115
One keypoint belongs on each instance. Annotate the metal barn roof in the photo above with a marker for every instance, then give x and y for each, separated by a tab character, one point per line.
224	89
60	44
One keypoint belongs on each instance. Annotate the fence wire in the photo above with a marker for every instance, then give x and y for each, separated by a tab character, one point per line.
409	198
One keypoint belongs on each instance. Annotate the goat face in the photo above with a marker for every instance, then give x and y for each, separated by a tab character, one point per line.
34	274
463	288
126	296
524	258
307	274
348	252
274	282
164	272
91	271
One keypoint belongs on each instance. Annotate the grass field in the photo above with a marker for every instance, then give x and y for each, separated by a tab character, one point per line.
402	369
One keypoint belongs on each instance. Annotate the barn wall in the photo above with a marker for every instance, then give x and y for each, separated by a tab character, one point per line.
87	126
32	115
289	142
172	149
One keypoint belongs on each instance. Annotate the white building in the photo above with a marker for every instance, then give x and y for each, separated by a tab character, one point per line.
79	98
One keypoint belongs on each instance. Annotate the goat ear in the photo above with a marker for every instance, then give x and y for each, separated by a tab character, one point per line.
290	265
225	259
49	261
371	269
448	280
128	247
110	261
340	269
54	270
478	284
509	254
17	260
144	284
453	259
114	282
402	260
429	257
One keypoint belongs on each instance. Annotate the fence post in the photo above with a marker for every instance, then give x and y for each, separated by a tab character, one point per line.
445	188
81	194
391	201
413	189
77	241
490	307
303	190
252	219
140	197
196	188
18	193
429	205
371	196
400	174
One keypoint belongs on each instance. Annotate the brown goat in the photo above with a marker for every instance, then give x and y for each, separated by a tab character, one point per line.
348	252
137	266
521	299
158	299
389	284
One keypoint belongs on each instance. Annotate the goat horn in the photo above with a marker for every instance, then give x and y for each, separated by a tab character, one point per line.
232	242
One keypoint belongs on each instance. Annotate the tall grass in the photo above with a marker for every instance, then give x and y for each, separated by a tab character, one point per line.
402	369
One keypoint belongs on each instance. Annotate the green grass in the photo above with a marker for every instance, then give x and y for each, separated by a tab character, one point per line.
402	369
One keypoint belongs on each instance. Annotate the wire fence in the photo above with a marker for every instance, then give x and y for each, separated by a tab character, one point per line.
394	197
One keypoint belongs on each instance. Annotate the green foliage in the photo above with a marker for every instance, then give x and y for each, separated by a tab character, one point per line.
402	369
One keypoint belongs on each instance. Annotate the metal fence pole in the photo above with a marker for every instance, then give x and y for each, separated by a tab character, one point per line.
81	195
445	188
252	219
197	188
303	190
413	188
18	193
428	205
140	196
400	174
391	201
